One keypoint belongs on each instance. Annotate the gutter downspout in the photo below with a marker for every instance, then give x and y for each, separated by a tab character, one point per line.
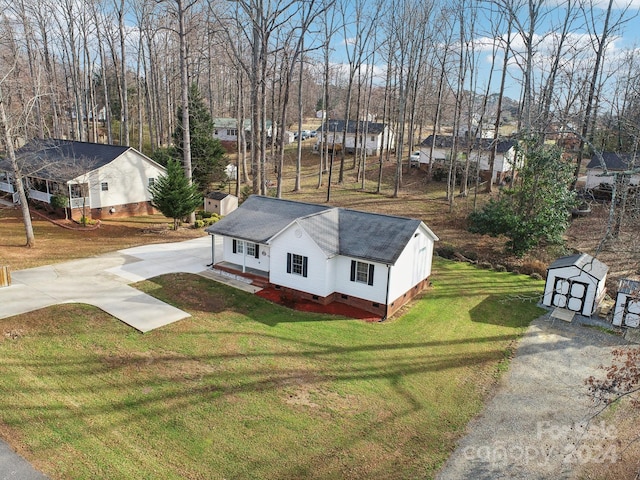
386	300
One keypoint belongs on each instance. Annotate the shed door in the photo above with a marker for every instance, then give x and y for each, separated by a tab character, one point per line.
569	294
632	313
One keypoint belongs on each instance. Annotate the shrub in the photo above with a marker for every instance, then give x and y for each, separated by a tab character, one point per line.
536	276
473	256
445	251
198	224
485	265
500	268
534	266
59	201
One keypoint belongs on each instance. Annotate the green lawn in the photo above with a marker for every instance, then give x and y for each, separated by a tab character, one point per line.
247	389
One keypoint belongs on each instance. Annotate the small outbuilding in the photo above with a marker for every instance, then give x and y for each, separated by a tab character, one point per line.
220	203
627	308
576	283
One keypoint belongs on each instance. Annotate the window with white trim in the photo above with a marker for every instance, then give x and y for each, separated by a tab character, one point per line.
152	181
104	186
297	264
252	249
362	272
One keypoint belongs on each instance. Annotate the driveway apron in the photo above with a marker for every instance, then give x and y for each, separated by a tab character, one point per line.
103	281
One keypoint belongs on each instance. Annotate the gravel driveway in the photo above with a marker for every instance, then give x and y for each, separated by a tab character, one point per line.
537	425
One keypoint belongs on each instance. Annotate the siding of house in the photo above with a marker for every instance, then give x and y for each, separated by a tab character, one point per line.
595	178
373	293
296	241
413	266
127	178
261	263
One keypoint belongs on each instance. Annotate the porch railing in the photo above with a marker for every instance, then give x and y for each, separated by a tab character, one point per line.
79	202
6	187
41	196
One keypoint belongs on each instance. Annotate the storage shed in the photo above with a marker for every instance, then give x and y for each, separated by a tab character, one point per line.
575	282
220	203
627	308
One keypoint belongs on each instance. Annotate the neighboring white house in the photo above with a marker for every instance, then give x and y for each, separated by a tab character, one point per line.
220	203
98	180
480	151
370	135
627	307
575	282
226	129
615	162
325	254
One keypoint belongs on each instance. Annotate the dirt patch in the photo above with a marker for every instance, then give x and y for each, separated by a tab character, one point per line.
334	308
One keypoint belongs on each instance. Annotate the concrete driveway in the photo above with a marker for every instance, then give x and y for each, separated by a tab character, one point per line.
103	281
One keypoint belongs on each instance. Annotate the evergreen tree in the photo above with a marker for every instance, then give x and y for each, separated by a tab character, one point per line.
207	153
538	208
172	194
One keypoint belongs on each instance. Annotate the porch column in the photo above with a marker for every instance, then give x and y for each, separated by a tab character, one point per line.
213	250
244	256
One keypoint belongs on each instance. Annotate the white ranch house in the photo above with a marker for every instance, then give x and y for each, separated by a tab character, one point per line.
226	129
325	254
97	179
371	136
615	163
504	165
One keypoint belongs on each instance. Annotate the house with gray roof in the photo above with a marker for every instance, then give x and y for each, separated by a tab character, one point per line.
226	129
479	151
97	180
372	136
325	254
575	283
614	163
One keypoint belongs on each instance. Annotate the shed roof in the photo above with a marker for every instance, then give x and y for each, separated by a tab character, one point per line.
615	161
63	160
217	195
337	231
628	285
584	262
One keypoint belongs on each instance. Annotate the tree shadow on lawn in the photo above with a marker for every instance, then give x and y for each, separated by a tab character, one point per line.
508	311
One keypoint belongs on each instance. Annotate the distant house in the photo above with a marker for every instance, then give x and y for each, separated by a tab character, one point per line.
370	136
220	203
324	254
97	180
576	283
615	162
226	129
480	149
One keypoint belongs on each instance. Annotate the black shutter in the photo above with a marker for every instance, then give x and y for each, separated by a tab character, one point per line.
371	265
304	266
288	263
235	246
353	270
257	247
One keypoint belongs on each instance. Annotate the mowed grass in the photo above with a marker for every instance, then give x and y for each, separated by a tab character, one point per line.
247	389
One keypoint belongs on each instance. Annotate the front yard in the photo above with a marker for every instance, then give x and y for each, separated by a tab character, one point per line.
248	389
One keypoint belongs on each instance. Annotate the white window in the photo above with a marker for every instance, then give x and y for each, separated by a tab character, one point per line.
152	181
232	132
104	186
362	272
297	264
252	248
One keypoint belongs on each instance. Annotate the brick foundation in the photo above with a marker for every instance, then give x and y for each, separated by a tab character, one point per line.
126	210
379	309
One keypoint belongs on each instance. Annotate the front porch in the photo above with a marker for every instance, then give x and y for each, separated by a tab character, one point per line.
257	277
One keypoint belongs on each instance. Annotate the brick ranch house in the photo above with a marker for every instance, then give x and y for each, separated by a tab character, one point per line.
325	254
97	179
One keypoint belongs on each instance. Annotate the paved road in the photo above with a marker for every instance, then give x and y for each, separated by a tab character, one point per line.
536	426
14	467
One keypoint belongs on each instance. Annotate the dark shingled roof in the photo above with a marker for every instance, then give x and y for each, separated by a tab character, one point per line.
629	286
63	160
338	126
217	195
614	161
446	141
584	262
337	231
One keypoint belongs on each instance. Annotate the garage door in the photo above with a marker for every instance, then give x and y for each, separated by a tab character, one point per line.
632	313
569	294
